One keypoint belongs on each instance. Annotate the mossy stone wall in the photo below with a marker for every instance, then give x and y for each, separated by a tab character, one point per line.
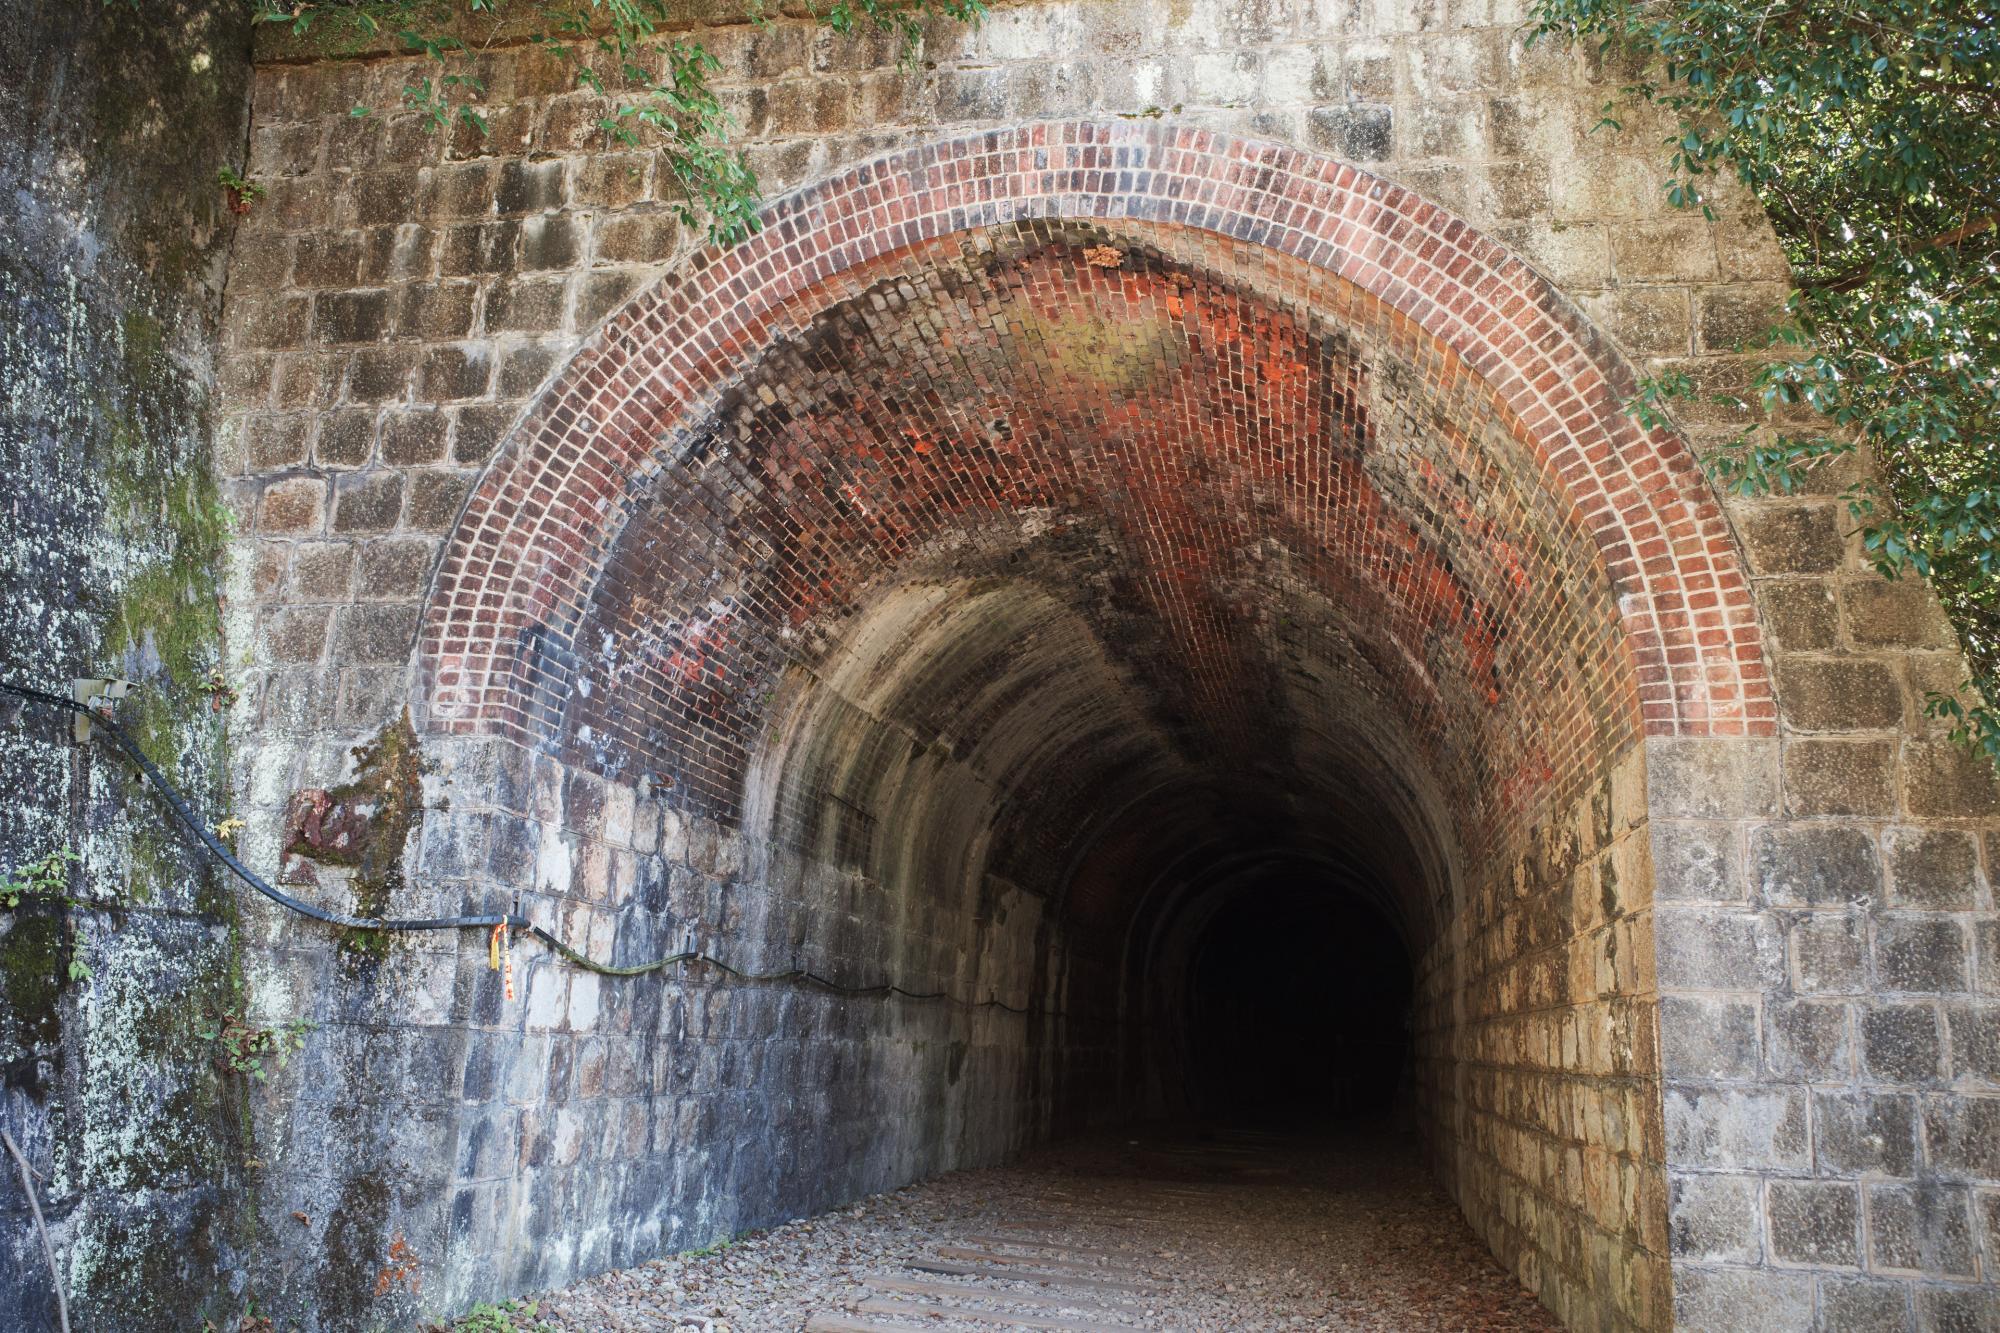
114	119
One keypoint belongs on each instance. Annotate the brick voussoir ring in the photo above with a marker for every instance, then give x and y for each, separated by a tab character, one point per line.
533	531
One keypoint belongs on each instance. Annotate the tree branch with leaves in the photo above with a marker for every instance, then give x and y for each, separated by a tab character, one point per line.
1870	130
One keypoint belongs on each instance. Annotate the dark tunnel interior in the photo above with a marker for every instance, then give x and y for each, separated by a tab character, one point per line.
1298	1009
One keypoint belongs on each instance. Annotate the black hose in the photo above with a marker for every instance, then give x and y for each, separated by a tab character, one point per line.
512	921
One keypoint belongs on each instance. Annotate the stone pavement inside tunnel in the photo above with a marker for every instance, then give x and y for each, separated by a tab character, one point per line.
1134	595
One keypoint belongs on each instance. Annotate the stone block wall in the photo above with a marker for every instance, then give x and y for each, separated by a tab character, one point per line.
1826	937
1543	1096
597	1121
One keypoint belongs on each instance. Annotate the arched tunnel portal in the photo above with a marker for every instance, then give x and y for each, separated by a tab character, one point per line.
1172	586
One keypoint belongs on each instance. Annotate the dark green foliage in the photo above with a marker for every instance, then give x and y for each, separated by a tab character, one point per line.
1870	130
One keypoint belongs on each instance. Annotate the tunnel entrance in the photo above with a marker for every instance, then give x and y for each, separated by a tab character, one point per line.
975	603
1298	1010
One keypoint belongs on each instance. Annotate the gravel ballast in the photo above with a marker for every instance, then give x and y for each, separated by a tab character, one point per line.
1166	1229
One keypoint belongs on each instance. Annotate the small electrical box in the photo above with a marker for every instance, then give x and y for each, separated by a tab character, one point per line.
99	696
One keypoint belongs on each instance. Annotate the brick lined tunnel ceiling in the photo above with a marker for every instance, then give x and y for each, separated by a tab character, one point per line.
1077	523
1053	537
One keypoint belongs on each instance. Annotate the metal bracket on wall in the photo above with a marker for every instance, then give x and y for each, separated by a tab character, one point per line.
99	696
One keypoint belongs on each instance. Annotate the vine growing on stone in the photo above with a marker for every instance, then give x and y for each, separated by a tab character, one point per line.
658	89
1870	131
242	1047
46	878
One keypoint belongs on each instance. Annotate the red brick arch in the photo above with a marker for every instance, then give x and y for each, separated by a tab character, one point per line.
525	549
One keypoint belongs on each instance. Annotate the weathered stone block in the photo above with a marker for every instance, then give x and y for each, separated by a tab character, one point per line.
411	438
1975	1041
275	442
1816	865
529	187
1707	1037
1792	538
1923	1228
477	432
1863	1303
437	310
1733	317
454	372
531	305
1718	1219
321	572
1725	1300
398	254
602	292
1923	953
394	567
1830	953
367	502
352	316
384	198
1943	779
374	634
1829	777
1958	1309
328	260
1712	779
477	248
1808	1039
1932	868
1670	249
370	697
1963	1135
1801	612
1358	133
1986	948
1715	949
295	504
345	439
1838	694
1815	1222
1900	1043
1855	1133
635	238
1648	321
435	499
527	366
551	241
1737	1129
380	374
1903	613
296	634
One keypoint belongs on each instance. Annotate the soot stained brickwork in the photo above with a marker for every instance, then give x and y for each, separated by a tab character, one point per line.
1082	384
1657	1063
517	556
